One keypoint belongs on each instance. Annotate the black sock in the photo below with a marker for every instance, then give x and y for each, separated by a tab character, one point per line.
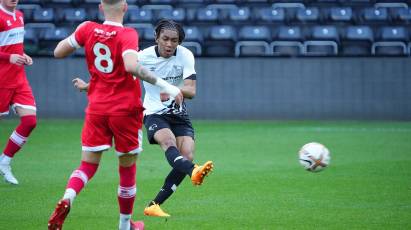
173	180
179	162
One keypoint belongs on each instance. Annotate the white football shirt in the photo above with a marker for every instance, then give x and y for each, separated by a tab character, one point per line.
173	70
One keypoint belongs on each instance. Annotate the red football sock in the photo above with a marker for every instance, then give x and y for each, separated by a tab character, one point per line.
19	136
81	176
127	189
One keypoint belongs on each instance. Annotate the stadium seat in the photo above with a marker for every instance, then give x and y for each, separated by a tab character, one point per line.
39	28
43	15
168	2
290	8
50	38
391	42
254	33
287	41
220	41
375	15
147	38
270	15
207	15
193	40
32	2
194	47
28	10
92	1
309	14
341	14
357	40
193	34
140	16
74	15
403	15
252	49
253	41
62	1
55	34
145	33
239	15
176	14
140	28
323	43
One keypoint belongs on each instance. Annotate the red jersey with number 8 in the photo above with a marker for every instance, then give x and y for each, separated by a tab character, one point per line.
112	90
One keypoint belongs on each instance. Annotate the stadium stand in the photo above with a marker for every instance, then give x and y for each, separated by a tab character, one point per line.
240	28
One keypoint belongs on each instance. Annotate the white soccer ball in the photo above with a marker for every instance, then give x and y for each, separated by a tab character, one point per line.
314	157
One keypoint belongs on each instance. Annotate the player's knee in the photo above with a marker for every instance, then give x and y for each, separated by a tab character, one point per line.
167	143
29	121
187	154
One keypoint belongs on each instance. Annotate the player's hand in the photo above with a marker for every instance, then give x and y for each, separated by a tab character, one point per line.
29	60
80	84
164	97
17	59
179	99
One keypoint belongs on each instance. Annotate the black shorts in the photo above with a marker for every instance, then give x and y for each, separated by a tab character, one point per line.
179	125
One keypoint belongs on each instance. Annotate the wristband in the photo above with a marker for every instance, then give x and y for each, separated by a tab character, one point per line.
168	88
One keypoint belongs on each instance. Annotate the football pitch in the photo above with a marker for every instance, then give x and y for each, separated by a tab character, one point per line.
257	182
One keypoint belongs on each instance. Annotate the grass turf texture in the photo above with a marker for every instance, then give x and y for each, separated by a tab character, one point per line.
257	183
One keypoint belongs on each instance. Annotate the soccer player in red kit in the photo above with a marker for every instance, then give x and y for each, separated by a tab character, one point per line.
114	108
15	90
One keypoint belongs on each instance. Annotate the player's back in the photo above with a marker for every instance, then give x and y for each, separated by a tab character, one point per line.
112	90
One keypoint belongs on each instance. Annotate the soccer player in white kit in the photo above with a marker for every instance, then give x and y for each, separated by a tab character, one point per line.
168	123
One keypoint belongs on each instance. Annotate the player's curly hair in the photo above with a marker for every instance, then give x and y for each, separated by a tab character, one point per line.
164	24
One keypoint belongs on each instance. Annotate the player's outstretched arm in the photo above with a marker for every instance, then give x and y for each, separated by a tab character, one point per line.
132	66
63	49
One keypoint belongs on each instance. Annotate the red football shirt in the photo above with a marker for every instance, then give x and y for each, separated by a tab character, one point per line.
112	91
11	41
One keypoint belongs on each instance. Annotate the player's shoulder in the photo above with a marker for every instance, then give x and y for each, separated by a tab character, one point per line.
86	24
19	13
184	53
129	29
148	52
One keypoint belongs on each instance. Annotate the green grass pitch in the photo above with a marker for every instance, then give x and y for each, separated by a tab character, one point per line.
257	182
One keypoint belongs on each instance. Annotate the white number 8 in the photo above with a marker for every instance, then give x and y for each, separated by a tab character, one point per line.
102	57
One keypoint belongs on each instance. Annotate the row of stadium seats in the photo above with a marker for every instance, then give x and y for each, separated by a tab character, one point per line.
249	28
226	40
173	2
232	14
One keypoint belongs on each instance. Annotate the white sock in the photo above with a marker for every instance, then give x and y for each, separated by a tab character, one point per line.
5	159
70	194
124	222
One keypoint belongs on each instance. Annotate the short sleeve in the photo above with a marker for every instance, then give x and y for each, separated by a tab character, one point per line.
129	42
78	38
188	63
